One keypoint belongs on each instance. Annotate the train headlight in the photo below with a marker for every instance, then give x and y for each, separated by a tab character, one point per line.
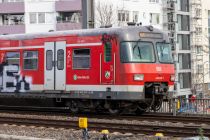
138	77
172	78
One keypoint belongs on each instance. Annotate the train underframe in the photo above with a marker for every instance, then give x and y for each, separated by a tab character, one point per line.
154	94
112	106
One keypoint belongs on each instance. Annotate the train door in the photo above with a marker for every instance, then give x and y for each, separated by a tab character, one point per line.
55	65
107	62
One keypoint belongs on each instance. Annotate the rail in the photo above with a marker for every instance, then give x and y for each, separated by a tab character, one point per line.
113	126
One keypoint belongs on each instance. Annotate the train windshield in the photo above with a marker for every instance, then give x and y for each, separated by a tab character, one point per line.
137	52
164	53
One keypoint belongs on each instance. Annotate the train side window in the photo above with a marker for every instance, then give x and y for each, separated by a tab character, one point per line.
30	60
49	60
13	58
107	52
60	58
81	59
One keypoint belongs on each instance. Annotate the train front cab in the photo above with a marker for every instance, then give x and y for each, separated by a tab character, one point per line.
148	69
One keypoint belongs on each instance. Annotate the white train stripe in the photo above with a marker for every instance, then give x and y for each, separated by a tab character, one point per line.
85	44
131	88
38	47
124	88
22	47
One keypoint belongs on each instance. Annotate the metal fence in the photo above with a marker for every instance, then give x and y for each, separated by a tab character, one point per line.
186	106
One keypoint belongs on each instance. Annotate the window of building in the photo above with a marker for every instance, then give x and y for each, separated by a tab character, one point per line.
41	17
208	86
33	18
13	58
209	34
73	17
183	5
30	60
198	49
154	1
183	22
123	15
12	19
107	52
60	58
81	59
12	0
184	41
135	16
49	17
185	80
49	60
154	18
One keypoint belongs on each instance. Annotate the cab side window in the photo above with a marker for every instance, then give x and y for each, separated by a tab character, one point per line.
107	52
81	58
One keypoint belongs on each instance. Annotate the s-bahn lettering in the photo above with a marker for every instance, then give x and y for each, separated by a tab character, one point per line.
81	77
98	69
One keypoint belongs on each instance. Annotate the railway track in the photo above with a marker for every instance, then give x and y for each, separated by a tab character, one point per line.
166	117
148	129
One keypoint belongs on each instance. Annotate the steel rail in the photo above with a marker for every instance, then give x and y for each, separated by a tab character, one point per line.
113	127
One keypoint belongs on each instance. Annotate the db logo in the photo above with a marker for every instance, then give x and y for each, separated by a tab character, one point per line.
107	74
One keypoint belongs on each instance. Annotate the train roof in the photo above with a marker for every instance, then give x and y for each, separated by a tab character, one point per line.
122	32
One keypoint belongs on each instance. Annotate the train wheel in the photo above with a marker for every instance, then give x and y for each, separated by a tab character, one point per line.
133	108
73	106
114	109
142	107
157	103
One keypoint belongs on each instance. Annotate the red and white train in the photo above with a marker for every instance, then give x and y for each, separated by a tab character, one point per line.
112	68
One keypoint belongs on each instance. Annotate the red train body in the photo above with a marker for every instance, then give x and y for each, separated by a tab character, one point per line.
112	68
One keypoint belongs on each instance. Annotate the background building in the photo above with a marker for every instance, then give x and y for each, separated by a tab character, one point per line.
176	21
19	16
120	12
205	46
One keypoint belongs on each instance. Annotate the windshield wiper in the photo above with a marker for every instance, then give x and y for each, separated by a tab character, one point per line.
139	50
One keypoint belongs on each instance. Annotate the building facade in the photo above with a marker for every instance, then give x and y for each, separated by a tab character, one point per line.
176	21
29	16
205	51
120	12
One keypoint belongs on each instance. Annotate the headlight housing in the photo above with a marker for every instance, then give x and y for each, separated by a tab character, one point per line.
172	78
138	77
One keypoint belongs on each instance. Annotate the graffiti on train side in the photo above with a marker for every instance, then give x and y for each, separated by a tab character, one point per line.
12	81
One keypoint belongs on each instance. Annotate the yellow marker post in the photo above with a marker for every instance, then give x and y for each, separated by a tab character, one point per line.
83	124
105	134
178	105
159	136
